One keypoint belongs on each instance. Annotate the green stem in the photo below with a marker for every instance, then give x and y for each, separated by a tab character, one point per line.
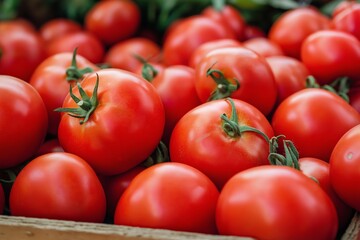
73	73
224	87
289	158
160	155
148	72
218	5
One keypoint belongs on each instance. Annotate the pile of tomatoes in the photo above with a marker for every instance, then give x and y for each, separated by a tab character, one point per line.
219	127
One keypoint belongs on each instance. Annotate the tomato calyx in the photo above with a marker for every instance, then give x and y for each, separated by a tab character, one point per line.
224	87
159	155
87	105
218	5
291	154
148	72
7	176
73	73
232	127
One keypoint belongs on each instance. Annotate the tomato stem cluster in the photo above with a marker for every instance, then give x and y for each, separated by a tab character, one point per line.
73	72
224	87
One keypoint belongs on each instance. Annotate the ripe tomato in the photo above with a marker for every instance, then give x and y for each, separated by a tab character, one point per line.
314	119
49	146
305	21
119	128
171	196
319	170
123	55
58	186
252	31
263	46
343	5
275	202
290	75
204	138
331	54
57	27
23	121
344	167
105	22
88	45
256	81
176	87
348	21
189	33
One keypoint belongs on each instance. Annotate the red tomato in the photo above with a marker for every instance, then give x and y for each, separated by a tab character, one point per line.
189	33
58	27
120	129
290	75
203	139
343	5
123	55
275	202
58	186
105	22
257	85
171	196
49	146
348	21
50	80
263	46
229	17
176	87
23	121
331	54
21	50
293	26
314	119
88	45
20	24
319	170
253	32
344	167
206	47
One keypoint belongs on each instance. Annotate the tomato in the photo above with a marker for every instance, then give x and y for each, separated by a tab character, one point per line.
20	24
21	50
88	45
119	127
290	75
176	87
187	35
275	202
57	27
314	119
58	186
344	167
50	80
252	31
256	81
171	196
263	46
23	121
331	54
123	55
319	171
229	16
293	26
348	21
204	138
49	146
341	6
206	47
104	20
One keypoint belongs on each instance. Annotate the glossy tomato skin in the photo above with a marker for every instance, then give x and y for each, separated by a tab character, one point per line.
125	127
319	170
344	167
176	87
108	25
314	119
264	46
275	202
331	54
57	27
23	121
256	80
348	21
171	196
189	33
58	186
305	20
199	140
49	79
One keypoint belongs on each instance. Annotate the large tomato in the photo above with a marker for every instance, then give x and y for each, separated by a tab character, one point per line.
214	138
220	71
118	127
23	121
263	46
52	79
348	20
275	202
344	167
58	186
314	119
57	27
169	196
